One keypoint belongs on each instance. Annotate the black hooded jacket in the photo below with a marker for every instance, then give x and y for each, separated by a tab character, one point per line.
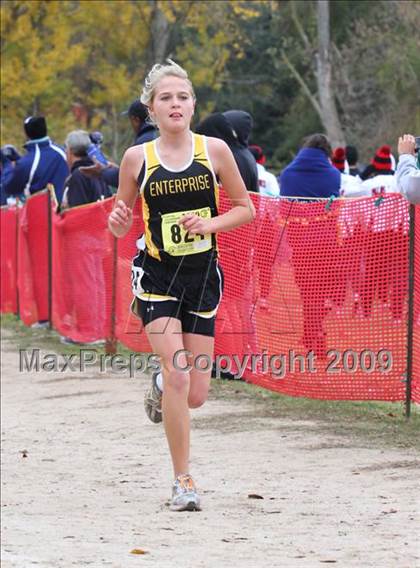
217	125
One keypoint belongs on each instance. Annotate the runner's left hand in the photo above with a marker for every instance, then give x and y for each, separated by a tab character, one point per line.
195	225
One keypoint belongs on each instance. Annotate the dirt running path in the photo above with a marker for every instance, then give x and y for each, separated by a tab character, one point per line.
97	474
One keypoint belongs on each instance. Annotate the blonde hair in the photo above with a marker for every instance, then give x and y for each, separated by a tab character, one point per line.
158	72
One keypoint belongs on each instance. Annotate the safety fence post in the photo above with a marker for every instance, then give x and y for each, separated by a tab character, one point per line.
17	260
111	342
50	260
410	321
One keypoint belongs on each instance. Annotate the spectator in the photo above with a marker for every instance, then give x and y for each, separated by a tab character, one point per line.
385	239
408	172
241	122
352	156
380	173
338	160
267	182
44	162
5	175
311	173
218	126
312	235
266	242
144	131
80	189
241	297
84	310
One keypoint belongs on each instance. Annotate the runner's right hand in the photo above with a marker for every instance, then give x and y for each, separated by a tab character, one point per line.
120	219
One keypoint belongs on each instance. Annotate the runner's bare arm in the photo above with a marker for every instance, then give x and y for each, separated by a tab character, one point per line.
242	210
121	217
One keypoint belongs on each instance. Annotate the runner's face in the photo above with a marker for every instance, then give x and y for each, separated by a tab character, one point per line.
173	104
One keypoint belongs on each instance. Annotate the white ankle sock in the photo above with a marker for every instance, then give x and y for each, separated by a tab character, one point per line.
159	382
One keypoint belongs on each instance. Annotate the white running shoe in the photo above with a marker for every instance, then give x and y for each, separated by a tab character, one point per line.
153	402
184	494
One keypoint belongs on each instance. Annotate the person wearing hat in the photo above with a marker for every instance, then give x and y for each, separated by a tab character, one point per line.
379	173
45	162
144	131
267	181
385	239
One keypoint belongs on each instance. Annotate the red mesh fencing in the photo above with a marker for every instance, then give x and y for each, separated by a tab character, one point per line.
82	249
8	260
322	297
415	391
315	300
32	268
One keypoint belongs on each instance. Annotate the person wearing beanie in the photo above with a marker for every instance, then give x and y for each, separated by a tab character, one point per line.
408	169
44	162
379	173
384	238
338	159
267	182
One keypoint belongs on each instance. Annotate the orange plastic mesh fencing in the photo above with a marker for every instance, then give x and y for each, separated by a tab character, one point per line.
415	390
315	302
83	249
8	260
315	299
33	258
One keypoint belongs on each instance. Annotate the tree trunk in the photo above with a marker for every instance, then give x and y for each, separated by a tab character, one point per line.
328	108
160	32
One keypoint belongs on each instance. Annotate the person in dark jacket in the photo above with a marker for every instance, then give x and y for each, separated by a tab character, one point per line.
144	131
80	189
219	126
6	172
44	162
241	123
82	299
239	307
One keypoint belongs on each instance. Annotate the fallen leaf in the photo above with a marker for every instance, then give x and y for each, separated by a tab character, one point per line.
255	496
138	551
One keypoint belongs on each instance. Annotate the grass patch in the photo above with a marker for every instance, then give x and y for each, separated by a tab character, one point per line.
369	422
372	423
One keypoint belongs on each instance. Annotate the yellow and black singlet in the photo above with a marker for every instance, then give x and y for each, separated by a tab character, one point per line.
168	194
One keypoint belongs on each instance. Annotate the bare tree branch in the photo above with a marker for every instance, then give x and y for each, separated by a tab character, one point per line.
299	27
301	82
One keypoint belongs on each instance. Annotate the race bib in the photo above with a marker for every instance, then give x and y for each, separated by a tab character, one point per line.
177	241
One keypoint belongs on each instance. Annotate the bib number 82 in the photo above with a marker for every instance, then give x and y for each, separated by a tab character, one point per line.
176	235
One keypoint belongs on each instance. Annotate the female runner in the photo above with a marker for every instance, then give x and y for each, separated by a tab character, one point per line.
177	282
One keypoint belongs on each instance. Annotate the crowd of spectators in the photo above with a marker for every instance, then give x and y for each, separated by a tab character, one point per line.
80	174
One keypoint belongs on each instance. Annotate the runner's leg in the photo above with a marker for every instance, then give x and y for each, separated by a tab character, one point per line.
165	337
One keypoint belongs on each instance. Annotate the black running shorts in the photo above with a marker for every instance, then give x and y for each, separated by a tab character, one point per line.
191	296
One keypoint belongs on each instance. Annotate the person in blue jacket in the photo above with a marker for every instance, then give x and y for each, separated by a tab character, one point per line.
44	162
311	173
312	234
